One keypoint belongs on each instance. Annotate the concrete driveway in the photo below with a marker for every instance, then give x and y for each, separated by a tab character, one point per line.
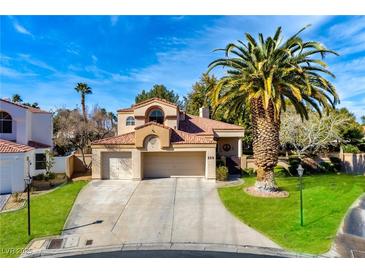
173	210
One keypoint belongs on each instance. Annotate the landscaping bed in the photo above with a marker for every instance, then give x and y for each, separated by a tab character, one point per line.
48	215
326	201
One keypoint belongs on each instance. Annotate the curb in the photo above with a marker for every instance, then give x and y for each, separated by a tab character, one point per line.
238	249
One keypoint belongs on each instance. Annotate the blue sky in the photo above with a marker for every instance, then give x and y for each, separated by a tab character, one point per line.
43	57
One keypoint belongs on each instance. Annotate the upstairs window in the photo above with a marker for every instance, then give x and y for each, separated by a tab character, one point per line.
5	122
130	121
40	161
155	115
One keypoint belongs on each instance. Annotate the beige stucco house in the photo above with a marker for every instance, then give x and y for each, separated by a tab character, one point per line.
155	139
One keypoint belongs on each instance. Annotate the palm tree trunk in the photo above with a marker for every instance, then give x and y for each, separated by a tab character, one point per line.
83	107
265	144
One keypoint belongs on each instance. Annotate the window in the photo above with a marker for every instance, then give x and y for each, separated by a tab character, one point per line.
156	116
130	121
40	161
5	122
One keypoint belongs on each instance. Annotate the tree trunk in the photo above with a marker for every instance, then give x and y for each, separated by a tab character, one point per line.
83	107
265	144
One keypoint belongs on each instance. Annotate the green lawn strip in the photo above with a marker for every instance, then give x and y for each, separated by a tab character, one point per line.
326	201
48	215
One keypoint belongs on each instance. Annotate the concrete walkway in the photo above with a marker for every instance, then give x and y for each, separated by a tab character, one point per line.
350	240
174	210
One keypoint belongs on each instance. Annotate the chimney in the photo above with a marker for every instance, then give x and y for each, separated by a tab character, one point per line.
204	112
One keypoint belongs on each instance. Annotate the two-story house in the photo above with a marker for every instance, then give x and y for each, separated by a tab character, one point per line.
25	135
156	139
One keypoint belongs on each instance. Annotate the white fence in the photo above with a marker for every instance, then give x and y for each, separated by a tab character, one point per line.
60	164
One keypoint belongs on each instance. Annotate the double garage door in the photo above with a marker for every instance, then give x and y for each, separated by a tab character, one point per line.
118	165
173	164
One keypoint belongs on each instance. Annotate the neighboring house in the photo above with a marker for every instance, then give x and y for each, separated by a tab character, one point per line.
25	135
156	139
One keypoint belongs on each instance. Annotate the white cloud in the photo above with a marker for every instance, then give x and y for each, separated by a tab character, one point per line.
9	72
114	20
19	28
94	58
38	63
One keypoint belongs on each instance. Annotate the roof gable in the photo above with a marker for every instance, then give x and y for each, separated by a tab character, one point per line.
31	109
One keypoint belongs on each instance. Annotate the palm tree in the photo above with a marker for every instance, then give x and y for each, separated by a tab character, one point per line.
83	89
265	76
16	98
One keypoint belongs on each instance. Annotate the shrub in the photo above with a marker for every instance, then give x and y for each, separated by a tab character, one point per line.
220	162
326	167
280	171
39	177
336	163
222	173
248	172
350	149
293	165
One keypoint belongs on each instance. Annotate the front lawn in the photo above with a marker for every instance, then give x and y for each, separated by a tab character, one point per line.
48	215
326	200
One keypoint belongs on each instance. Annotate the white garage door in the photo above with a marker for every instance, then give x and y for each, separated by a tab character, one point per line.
173	164
117	165
5	176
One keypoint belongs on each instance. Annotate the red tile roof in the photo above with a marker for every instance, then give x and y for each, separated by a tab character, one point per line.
37	145
177	137
124	139
152	123
31	109
181	137
125	110
146	102
11	147
204	126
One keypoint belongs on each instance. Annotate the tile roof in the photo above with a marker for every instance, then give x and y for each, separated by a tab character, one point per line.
181	137
152	123
31	109
38	145
124	139
204	126
125	110
177	137
12	147
146	102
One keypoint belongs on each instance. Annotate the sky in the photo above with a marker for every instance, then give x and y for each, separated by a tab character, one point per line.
43	57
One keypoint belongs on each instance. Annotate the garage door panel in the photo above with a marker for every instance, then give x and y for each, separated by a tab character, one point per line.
166	164
117	165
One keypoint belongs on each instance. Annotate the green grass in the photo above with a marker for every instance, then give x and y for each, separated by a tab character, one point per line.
48	215
326	200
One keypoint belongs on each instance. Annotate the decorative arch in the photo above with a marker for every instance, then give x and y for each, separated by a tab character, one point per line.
6	122
155	114
152	143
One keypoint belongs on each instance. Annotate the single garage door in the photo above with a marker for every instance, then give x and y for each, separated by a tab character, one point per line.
173	164
117	165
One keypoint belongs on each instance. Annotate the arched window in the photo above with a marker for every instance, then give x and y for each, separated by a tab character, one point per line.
155	115
130	121
5	122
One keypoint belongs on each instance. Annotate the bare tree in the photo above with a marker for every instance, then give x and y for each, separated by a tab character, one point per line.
73	133
312	135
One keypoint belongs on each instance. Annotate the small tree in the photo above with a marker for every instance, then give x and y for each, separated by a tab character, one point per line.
159	91
49	164
308	137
